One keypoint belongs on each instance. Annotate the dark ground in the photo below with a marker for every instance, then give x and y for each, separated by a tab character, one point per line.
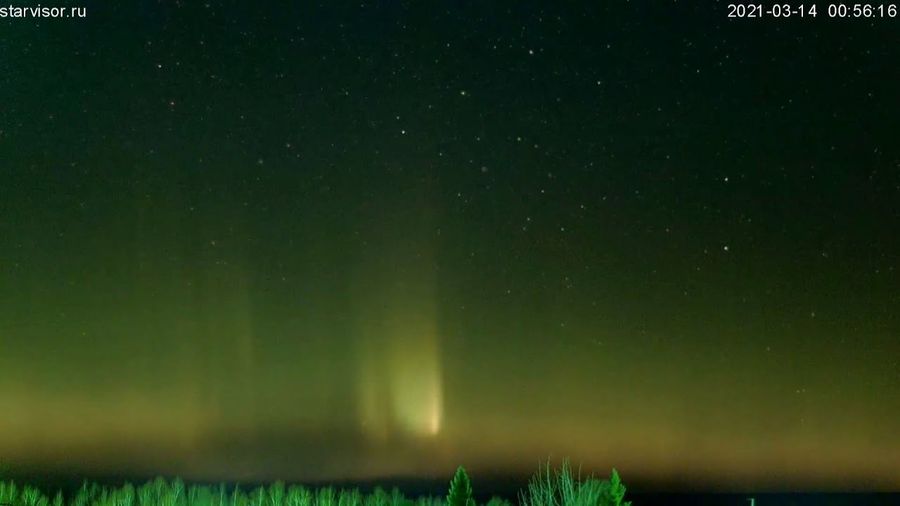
509	488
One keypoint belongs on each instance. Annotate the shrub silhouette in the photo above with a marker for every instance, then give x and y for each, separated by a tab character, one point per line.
460	489
563	489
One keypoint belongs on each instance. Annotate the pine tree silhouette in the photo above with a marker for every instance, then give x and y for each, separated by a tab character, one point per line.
460	489
615	491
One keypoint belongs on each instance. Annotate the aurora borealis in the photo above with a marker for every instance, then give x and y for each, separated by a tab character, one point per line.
352	241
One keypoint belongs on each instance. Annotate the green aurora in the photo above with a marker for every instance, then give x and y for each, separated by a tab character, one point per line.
342	242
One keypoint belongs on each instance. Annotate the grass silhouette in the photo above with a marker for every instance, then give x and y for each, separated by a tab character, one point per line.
559	489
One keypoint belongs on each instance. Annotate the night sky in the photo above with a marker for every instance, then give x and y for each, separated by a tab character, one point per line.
354	240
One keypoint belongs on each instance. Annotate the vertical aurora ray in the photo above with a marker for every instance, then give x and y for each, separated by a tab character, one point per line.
400	391
400	385
415	376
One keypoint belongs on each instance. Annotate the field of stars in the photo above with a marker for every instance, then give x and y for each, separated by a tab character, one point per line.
335	240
